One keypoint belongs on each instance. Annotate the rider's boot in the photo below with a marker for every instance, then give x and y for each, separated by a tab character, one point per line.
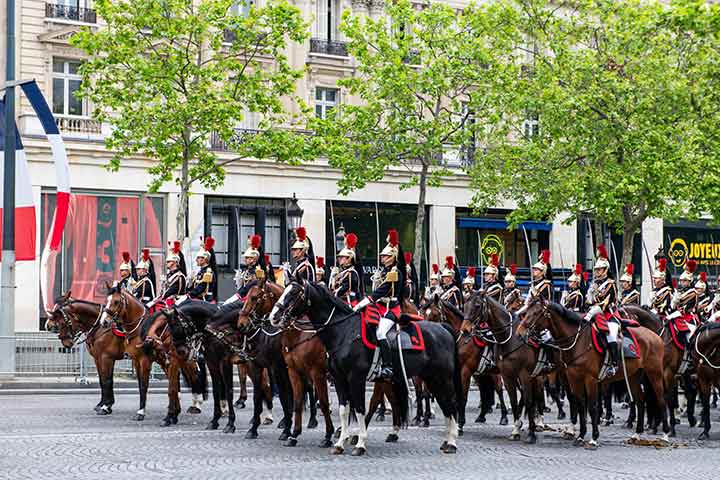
386	370
549	366
614	357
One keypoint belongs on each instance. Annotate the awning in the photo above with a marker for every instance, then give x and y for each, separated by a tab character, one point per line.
499	224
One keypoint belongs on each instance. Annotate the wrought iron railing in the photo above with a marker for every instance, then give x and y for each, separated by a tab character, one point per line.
328	47
70	12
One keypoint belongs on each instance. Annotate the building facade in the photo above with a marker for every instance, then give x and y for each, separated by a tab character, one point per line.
111	212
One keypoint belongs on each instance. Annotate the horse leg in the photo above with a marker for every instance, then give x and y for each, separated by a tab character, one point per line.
341	387
312	399
501	398
554	393
517	420
226	372
319	379
172	371
298	391
106	367
639	400
255	373
267	391
417	421
465	377
357	400
428	410
242	379
285	392
441	387
704	387
529	394
142	369
591	387
607	407
691	392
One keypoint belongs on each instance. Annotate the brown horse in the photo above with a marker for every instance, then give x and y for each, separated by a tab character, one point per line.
515	359
304	355
125	311
706	358
76	321
470	354
573	337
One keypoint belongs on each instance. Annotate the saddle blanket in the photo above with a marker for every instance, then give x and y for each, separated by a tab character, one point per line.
411	337
631	347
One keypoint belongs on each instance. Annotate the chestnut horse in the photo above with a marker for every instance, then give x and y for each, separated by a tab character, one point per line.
437	310
304	355
573	337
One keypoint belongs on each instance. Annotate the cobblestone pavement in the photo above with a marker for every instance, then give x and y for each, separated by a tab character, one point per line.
60	437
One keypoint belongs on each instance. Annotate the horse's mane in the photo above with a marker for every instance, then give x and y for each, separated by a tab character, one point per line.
193	308
453	309
148	321
568	315
337	302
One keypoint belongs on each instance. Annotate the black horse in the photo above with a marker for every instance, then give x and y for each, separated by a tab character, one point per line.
350	361
214	326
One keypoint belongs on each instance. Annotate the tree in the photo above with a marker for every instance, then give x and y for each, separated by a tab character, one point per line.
168	74
613	86
425	82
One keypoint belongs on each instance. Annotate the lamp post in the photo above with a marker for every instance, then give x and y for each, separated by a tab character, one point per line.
293	217
339	240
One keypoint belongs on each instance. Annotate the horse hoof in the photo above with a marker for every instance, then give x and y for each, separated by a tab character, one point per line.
703	436
692	421
229	429
672	433
380	418
212	426
313	423
578	442
460	432
336	435
104	411
97	407
337	450
354	440
443	446
426	423
480	419
415	422
138	417
515	436
531	439
503	421
193	410
283	436
325	443
392	438
174	419
561	415
291	442
251	435
591	445
280	426
268	421
239	404
358	452
450	449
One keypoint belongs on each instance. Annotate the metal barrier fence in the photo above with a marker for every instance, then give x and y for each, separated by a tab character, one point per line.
42	354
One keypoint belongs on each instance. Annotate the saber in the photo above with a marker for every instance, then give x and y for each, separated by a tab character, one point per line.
713	257
647	258
563	294
332	219
377	234
527	245
617	270
480	261
590	233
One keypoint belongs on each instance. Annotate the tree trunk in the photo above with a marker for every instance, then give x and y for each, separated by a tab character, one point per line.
420	219
633	222
180	219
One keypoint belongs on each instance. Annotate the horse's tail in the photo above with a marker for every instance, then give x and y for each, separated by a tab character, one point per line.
402	399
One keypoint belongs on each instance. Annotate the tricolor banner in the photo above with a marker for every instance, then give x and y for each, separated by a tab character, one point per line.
25	230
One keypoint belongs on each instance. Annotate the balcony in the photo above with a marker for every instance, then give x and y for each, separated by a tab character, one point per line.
68	12
328	47
81	126
217	143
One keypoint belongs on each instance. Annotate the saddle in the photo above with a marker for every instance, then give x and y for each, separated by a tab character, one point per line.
411	337
674	334
631	347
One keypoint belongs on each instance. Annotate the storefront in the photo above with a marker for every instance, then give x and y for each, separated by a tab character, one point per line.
692	240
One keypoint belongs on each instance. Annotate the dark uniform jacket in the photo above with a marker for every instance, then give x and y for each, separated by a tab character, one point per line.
346	284
452	294
202	285
387	292
543	289
687	300
303	272
574	300
495	291
661	299
247	281
144	290
604	295
630	297
174	285
512	298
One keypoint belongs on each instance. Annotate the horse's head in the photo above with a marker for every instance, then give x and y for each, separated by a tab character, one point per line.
535	318
55	315
116	304
157	325
68	318
180	332
258	302
476	311
430	308
292	303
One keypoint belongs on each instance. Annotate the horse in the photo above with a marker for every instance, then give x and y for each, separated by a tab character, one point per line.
124	310
516	360
706	358
339	328
304	355
437	310
77	321
573	337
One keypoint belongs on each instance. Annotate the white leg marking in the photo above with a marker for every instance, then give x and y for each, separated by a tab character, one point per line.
362	434
141	411
516	427
452	432
224	407
344	416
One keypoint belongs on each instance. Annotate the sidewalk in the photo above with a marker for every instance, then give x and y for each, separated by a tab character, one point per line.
49	385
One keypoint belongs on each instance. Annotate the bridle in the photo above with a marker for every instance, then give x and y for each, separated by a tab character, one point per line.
482	332
69	317
532	328
115	316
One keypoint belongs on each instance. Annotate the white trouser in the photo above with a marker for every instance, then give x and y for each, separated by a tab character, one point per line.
546	336
613	329
690	332
384	327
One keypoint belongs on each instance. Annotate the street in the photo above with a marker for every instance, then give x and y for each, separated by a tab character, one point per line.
60	437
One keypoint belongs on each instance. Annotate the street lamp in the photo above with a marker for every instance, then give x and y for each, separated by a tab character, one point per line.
340	239
294	214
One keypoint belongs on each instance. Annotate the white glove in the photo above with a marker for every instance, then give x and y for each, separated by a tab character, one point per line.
675	314
593	311
232	299
363	303
151	303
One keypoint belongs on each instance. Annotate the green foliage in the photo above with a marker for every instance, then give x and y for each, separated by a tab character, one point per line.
616	87
424	87
162	75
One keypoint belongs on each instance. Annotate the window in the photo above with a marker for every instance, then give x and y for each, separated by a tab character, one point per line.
242	8
328	14
531	125
326	99
66	84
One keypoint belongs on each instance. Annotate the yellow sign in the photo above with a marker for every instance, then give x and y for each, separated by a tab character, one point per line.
491	244
705	253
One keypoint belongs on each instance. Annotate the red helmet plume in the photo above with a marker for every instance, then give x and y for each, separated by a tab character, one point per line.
586	276
255	241
471	272
630	269
146	254
301	233
320	262
450	262
435	268
408	257
513	269
545	255
126	257
691	266
209	243
674	282
176	246
602	251
267	259
495	260
393	238
351	240
662	264
703	277
578	268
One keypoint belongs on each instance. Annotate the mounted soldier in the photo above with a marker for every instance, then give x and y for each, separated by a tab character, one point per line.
684	302
450	291
541	288
574	299
602	298
704	302
320	271
493	288
434	282
512	296
175	281
346	281
144	289
630	295
203	285
303	259
387	289
469	283
126	281
661	295
411	280
246	277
